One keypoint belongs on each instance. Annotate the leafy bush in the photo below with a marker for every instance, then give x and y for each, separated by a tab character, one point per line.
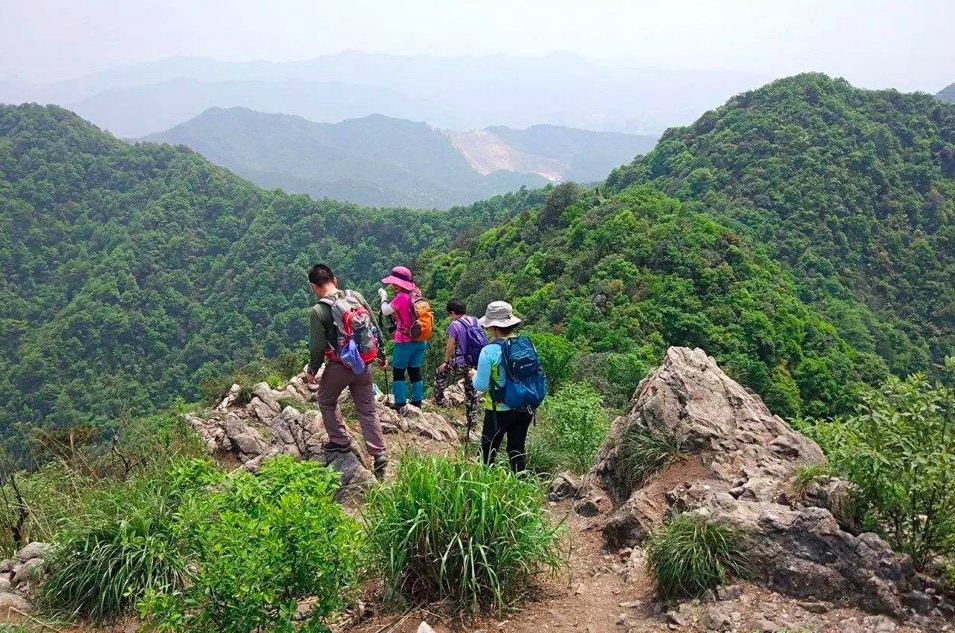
571	426
557	356
898	450
103	570
260	545
458	530
689	554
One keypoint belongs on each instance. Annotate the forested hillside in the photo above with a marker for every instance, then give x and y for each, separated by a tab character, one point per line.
622	278
130	272
852	189
375	160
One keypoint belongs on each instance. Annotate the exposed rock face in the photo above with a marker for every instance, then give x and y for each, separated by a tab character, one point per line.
738	459
251	433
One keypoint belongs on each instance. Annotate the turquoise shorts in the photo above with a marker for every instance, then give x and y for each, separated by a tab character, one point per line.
407	355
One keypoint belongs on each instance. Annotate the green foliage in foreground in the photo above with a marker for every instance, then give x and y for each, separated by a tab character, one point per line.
460	531
689	554
260	545
898	450
102	571
570	427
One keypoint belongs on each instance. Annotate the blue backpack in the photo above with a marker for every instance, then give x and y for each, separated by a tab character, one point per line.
525	384
474	341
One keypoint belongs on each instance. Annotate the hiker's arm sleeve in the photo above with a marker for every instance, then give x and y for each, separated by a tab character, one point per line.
316	342
482	379
386	308
450	349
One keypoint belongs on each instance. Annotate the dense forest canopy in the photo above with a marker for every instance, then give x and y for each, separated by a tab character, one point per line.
130	272
853	190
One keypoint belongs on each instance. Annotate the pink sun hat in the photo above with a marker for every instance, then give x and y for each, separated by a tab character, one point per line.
401	277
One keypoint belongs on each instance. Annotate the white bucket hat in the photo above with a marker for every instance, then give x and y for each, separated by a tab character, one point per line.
499	314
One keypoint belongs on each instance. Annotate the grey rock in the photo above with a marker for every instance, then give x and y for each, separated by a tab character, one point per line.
744	459
814	607
33	550
681	616
424	627
708	596
766	626
563	486
850	626
264	393
262	411
715	618
919	602
10	601
729	592
5	585
7	565
246	438
587	508
27	571
880	624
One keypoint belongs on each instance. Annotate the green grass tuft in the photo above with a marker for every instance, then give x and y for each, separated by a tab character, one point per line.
689	554
805	474
457	530
101	571
644	451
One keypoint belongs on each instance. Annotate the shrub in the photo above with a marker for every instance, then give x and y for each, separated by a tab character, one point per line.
103	570
898	450
458	530
689	554
275	371
571	426
557	356
260	545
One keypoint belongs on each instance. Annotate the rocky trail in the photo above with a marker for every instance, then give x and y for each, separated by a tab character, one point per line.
733	461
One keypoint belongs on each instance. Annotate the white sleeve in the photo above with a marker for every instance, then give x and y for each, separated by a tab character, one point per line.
386	308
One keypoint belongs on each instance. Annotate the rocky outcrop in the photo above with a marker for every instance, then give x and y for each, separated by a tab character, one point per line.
17	574
288	421
735	464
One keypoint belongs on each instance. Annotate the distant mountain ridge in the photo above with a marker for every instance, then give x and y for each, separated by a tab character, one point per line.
947	94
459	93
383	161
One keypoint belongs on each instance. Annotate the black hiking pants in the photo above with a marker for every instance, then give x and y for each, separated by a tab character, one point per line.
512	424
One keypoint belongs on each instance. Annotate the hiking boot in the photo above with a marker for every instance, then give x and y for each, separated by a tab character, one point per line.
380	465
330	447
397	407
417	404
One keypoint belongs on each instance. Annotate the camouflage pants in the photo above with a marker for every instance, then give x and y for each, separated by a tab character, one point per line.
446	378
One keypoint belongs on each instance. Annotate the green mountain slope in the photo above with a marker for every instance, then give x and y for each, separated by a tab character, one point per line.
852	189
947	94
625	277
130	272
375	160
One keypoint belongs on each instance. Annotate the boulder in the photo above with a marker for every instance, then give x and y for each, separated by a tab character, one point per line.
27	571
735	465
563	486
11	603
33	550
264	393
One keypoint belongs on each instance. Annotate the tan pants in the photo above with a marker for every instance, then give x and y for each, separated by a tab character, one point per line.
334	380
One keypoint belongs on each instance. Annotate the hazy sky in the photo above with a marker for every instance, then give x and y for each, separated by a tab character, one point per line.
908	44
